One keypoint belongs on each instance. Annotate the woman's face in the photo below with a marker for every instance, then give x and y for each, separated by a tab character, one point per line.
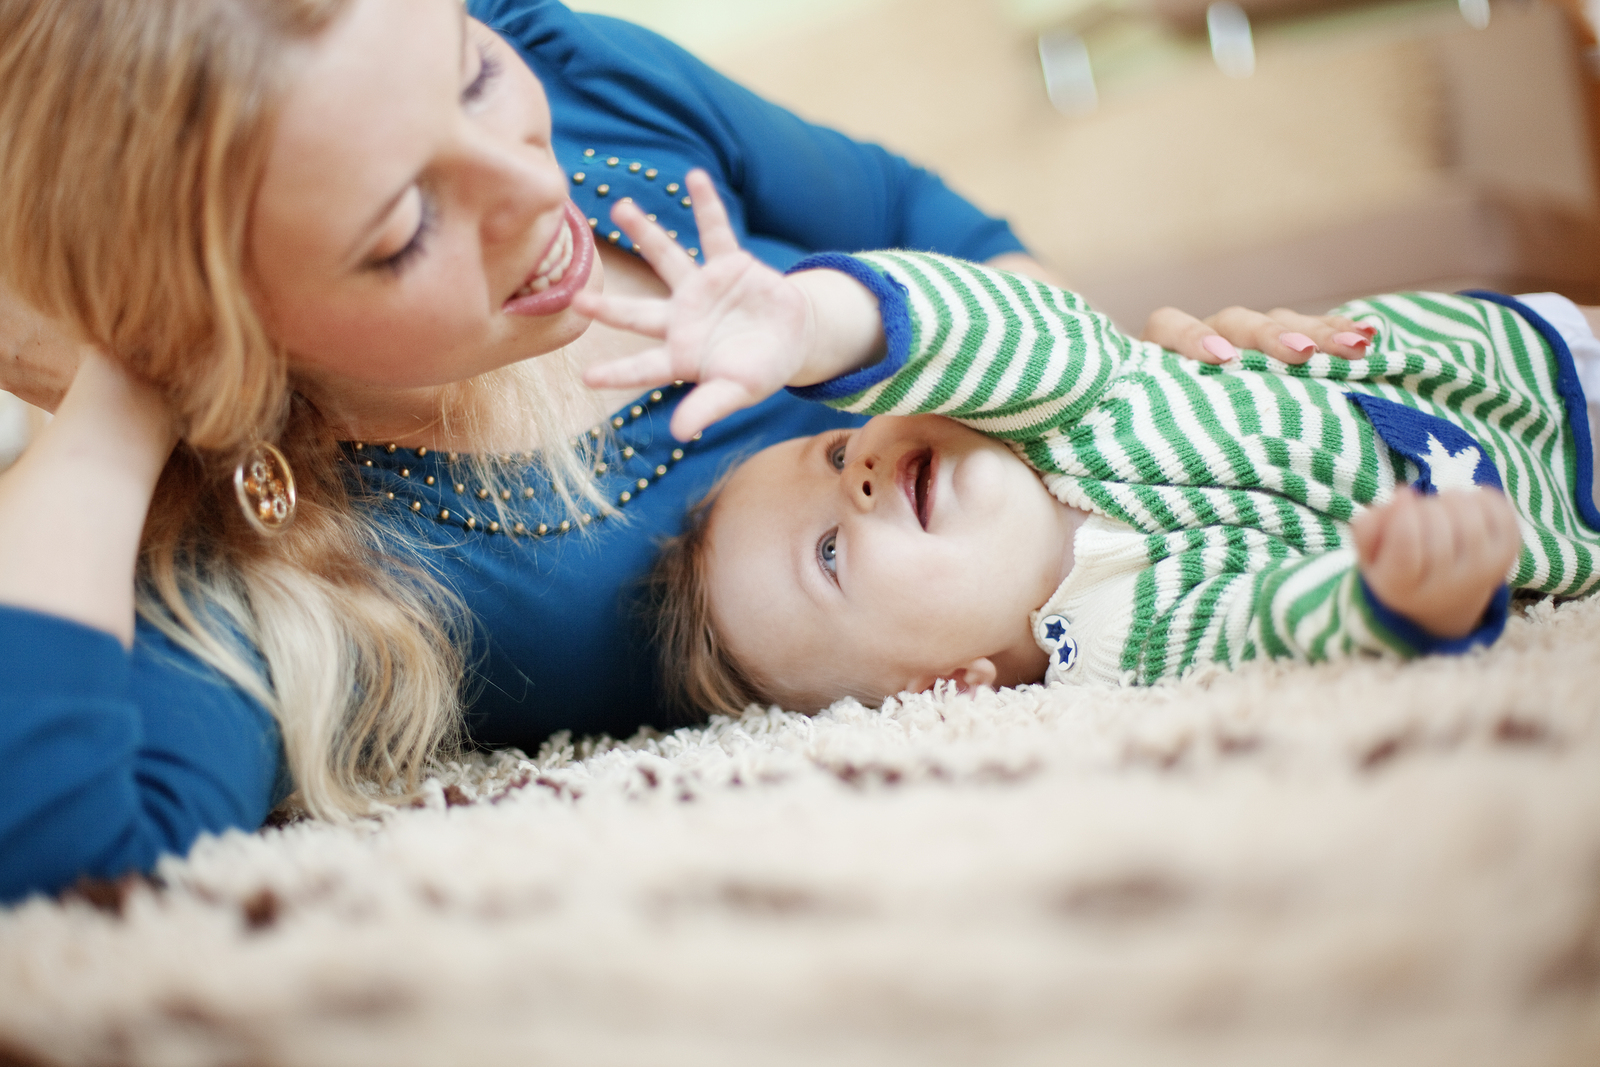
412	226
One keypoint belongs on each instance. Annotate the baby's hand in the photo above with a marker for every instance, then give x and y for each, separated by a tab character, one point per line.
736	326
1438	560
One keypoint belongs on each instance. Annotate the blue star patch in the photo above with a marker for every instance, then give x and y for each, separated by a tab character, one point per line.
1053	629
1447	457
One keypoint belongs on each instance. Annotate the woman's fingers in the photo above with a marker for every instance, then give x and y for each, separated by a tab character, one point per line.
707	403
1178	331
1251	329
1333	334
670	261
710	217
644	370
636	314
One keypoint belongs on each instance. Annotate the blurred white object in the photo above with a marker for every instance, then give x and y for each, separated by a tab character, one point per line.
1476	12
1068	78
1231	44
15	429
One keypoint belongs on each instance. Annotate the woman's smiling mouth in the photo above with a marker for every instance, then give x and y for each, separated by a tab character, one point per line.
562	271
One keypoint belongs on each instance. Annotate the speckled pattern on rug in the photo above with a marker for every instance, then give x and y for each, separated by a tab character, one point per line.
1365	863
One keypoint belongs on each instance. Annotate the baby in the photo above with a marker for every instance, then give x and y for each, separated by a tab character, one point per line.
1042	498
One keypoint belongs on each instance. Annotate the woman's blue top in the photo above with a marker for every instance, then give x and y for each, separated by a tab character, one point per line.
116	758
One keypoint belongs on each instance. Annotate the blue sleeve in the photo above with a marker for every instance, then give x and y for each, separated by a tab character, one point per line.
113	758
803	184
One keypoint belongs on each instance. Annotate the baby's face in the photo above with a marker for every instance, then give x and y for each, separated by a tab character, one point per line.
870	561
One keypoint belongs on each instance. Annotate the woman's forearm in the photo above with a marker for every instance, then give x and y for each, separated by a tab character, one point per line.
72	508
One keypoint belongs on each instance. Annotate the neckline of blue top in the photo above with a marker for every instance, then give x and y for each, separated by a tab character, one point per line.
426	482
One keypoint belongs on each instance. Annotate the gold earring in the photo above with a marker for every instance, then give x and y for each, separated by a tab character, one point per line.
265	487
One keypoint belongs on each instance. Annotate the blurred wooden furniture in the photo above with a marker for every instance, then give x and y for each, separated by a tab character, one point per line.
1376	146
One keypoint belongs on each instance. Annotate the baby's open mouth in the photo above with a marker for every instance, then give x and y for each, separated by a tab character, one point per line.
916	481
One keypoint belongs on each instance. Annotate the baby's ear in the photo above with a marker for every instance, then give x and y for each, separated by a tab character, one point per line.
968	676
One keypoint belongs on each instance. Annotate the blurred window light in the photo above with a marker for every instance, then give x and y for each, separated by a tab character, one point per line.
1068	78
1476	12
1231	44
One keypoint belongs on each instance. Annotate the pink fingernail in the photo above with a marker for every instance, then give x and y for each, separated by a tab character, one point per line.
1370	331
1352	340
1220	348
1298	341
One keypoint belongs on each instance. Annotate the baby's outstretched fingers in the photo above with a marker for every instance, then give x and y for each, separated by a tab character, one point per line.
663	254
641	315
645	370
710	217
707	403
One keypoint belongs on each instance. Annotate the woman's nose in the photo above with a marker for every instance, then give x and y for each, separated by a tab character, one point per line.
862	483
518	184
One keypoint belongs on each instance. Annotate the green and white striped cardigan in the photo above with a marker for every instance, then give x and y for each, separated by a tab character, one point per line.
1222	495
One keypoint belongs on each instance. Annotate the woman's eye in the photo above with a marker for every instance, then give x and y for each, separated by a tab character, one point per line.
427	220
828	551
836	456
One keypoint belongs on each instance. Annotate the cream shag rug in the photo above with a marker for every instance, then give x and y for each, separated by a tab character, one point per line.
1365	863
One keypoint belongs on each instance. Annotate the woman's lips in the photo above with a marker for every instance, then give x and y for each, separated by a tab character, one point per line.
914	475
562	272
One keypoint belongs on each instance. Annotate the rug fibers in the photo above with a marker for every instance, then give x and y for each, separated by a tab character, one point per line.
1363	862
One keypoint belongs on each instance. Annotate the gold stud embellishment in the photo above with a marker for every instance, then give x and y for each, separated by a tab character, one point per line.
588	151
483	494
613	161
627	452
472	523
672	234
655	396
594	224
405	472
519	529
542	529
577	179
428	480
444	516
601	190
505	494
617	421
641	484
564	527
636	411
614	236
421	452
391	449
635	168
672	188
265	488
685	202
416	505
677	454
461	487
527	493
651	174
624	497
661	469
494	527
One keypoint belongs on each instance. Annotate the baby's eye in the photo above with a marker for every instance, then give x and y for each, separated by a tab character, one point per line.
836	454
828	551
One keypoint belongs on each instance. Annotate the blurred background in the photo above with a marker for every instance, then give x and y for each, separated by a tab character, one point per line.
1258	152
1261	152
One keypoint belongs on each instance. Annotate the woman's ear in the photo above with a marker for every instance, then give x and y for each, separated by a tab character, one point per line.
968	676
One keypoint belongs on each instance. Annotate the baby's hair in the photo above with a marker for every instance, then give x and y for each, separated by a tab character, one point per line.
698	670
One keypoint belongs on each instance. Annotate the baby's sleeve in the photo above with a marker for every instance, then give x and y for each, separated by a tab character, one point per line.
1007	355
1235	594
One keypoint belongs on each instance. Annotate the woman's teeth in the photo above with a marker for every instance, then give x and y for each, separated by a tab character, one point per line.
553	267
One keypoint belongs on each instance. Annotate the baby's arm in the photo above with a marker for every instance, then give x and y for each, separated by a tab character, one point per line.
1439	560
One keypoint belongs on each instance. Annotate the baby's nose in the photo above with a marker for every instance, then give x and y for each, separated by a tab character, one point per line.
862	483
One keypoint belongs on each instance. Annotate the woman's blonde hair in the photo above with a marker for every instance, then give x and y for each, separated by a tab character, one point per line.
133	134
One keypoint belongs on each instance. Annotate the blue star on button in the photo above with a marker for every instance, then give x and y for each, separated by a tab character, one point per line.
1053	635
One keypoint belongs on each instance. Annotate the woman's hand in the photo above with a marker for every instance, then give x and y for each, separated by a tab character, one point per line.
736	326
73	507
38	357
1282	334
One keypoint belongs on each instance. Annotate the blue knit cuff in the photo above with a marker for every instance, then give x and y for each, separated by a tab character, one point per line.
1423	643
896	327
